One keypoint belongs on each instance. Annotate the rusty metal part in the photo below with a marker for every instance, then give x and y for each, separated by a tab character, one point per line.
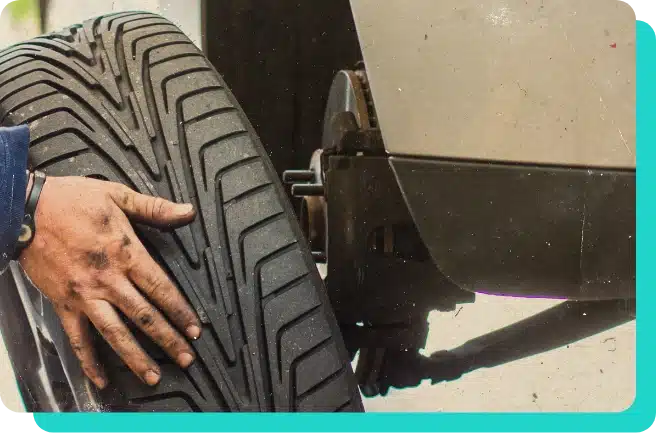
313	215
349	96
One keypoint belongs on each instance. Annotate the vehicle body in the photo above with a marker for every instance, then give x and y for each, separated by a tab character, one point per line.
441	150
538	134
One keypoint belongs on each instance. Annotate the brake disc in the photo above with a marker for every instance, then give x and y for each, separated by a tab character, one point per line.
349	107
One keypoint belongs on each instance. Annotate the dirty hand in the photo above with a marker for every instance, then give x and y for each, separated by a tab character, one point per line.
87	260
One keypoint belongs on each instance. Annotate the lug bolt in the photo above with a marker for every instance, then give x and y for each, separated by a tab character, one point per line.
301	190
291	176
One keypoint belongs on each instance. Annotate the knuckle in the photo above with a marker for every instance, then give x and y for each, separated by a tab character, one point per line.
133	262
166	298
123	335
171	342
112	330
145	316
155	283
75	292
77	344
125	196
156	205
103	284
148	206
159	206
120	248
121	189
98	259
184	314
90	365
63	305
170	304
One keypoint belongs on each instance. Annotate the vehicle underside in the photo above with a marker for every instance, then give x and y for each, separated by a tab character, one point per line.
397	228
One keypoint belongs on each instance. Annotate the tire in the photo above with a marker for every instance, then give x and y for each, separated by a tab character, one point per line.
128	98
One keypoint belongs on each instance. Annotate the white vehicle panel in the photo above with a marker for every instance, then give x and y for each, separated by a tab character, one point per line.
530	81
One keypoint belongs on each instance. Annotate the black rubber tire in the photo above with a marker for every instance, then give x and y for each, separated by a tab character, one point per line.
128	98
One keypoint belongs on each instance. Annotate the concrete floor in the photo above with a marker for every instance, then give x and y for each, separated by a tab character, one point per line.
595	374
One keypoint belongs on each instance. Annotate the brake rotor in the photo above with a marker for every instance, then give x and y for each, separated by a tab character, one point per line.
349	93
349	107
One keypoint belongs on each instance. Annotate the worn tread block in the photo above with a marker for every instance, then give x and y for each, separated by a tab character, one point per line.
329	397
322	361
281	271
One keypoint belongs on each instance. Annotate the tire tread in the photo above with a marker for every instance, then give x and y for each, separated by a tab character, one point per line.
127	97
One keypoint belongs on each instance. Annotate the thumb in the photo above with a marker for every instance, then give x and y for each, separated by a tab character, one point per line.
154	211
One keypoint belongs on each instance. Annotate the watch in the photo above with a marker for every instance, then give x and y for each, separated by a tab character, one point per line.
28	227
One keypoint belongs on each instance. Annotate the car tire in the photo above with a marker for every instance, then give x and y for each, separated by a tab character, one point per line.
128	98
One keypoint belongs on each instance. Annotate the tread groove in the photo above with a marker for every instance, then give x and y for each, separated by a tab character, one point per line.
344	406
24	104
63	157
249	192
18	77
285	287
136	41
60	110
154	398
292	368
292	323
179	74
176	57
259	301
209	114
250	229
322	383
223	170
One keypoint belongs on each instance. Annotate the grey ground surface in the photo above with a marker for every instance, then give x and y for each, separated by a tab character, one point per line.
595	374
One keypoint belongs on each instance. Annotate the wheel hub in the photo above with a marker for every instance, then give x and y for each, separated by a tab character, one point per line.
349	108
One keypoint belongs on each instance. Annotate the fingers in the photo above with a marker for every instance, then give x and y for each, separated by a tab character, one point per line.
155	211
153	324
116	333
77	329
156	285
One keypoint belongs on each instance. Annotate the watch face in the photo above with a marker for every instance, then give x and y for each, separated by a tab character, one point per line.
25	234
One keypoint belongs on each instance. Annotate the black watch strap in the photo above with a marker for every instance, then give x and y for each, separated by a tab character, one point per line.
28	227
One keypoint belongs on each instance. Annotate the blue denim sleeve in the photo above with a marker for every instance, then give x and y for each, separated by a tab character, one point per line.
14	143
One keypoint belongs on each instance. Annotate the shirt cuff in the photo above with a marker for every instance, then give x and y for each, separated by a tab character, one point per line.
14	145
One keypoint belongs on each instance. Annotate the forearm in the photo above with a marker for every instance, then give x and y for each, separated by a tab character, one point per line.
14	143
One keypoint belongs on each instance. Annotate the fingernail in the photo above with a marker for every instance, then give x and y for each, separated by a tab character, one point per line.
151	378
101	383
185	209
193	332
185	360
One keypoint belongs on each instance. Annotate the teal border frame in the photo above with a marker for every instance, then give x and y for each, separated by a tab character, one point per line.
636	418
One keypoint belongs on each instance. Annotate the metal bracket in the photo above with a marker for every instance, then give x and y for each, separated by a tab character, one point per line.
379	271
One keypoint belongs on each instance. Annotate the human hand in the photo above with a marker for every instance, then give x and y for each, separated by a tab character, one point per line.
87	260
